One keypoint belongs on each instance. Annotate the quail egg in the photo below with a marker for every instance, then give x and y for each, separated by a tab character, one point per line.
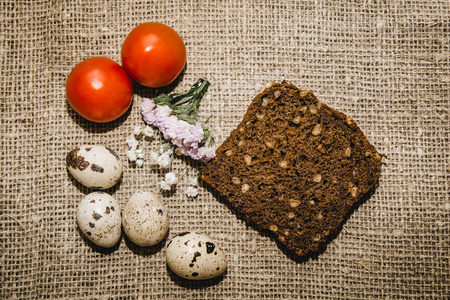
94	166
145	219
98	217
195	256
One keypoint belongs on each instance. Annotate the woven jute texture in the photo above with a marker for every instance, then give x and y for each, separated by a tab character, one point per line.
385	63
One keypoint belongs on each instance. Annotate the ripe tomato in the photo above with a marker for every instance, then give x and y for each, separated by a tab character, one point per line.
99	89
153	54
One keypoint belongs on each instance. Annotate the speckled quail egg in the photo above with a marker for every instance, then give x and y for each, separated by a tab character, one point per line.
195	256
145	219
94	166
98	217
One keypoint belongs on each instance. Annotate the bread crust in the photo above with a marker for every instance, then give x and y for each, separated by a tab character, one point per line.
294	166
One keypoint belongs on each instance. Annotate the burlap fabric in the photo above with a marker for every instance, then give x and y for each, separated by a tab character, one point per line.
385	63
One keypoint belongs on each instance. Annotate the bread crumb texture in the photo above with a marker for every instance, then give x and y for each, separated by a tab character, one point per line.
294	166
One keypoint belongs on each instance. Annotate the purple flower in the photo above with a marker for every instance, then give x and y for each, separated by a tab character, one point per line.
198	153
206	152
180	133
195	135
162	111
148	111
185	136
168	126
175	116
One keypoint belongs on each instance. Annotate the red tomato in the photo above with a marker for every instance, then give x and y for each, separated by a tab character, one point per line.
153	54
99	89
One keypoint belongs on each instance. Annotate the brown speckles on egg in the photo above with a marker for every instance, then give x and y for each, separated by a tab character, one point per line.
102	230
145	221
75	161
194	258
210	247
112	208
96	216
97	168
182	259
107	210
94	166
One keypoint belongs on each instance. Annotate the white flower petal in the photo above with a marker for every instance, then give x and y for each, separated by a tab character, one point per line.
132	142
164	160
191	191
165	186
154	156
194	181
137	130
171	178
139	153
148	131
139	162
131	155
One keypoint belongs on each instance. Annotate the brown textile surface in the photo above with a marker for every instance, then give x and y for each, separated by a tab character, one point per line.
385	63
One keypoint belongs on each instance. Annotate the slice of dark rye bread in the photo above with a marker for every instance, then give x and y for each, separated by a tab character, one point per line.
294	166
